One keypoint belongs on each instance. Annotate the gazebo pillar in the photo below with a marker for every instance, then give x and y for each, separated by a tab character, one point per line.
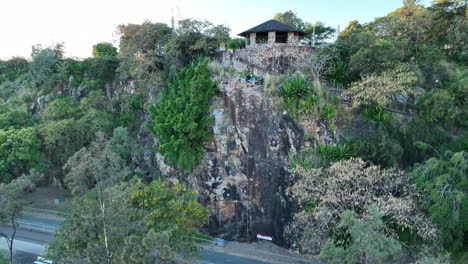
253	41
271	37
293	38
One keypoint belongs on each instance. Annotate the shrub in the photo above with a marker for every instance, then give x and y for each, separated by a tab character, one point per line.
366	240
104	49
294	88
352	185
332	153
445	181
375	113
235	44
328	113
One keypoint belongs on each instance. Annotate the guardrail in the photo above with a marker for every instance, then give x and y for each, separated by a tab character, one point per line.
44	211
36	227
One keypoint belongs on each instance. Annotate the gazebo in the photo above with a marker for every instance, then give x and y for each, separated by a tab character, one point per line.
272	32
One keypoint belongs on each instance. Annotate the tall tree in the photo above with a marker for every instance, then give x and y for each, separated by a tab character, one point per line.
181	118
12	200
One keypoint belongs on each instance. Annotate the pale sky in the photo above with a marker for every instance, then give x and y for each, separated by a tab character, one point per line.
82	23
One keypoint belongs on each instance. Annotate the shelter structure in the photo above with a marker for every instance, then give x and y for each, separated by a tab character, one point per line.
272	32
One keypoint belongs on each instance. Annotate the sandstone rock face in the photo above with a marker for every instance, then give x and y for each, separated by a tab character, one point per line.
247	164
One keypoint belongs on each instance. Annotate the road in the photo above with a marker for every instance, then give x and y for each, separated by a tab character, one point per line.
32	242
213	257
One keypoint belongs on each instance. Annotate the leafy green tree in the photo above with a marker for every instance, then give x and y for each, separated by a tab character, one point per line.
97	228
20	151
447	107
141	49
12	116
366	240
13	68
96	164
12	199
382	89
155	248
44	66
103	50
193	39
445	181
321	31
181	118
290	18
173	208
122	144
235	44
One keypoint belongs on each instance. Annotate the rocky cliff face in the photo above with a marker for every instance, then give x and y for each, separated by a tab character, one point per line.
246	164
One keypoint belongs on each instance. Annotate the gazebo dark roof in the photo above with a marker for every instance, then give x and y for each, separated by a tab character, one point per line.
271	25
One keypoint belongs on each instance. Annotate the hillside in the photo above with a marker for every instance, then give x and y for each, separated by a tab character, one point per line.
352	152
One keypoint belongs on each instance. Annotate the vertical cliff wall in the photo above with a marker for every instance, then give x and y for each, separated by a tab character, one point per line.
246	164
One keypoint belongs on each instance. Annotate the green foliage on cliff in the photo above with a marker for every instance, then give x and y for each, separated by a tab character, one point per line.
181	117
103	50
445	181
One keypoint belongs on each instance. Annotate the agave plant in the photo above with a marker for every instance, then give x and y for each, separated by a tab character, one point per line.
375	113
295	87
332	153
328	113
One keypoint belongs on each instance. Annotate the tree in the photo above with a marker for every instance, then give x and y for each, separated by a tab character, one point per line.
141	49
290	18
195	38
444	180
155	248
96	174
365	240
382	89
315	65
235	44
181	118
20	151
12	199
173	208
13	68
44	65
99	223
104	50
97	164
323	194
320	31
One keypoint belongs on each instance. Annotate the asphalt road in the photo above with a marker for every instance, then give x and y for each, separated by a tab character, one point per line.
213	257
30	243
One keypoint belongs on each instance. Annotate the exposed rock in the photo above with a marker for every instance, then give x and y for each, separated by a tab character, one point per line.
246	164
39	105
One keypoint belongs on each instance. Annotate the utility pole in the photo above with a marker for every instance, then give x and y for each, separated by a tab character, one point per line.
172	19
313	36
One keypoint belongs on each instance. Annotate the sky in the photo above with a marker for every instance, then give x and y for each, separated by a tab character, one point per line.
82	23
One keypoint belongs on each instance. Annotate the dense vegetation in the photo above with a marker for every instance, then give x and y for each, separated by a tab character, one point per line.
416	57
393	185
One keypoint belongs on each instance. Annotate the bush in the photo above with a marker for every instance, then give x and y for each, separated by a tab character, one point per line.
328	113
103	50
375	113
182	119
445	181
332	153
352	185
235	44
365	241
295	88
